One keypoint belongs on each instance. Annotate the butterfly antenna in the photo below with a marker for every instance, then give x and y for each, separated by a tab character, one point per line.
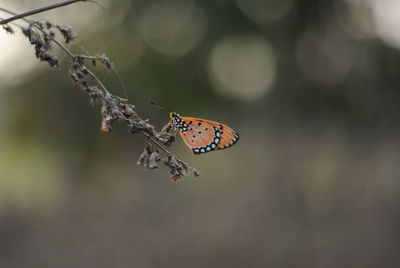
161	106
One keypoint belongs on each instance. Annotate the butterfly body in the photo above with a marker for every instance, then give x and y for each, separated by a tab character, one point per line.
202	135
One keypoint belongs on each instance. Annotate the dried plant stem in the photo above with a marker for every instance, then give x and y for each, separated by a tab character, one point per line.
98	82
39	10
114	108
158	144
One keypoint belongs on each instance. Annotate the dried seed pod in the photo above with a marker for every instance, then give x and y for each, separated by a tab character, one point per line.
47	42
48	25
84	84
137	124
49	57
153	159
176	168
84	70
167	134
105	126
106	61
74	77
80	75
80	60
36	39
107	119
95	93
143	159
196	173
67	33
8	29
129	111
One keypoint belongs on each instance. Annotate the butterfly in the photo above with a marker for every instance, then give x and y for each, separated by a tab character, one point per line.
203	136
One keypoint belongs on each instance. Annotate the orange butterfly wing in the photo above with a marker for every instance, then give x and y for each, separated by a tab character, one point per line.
204	136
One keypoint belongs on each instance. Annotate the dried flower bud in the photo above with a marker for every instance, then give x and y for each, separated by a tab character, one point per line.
106	61
48	25
67	33
36	39
196	173
80	75
128	111
153	159
8	29
49	57
95	93
80	60
74	78
84	70
177	167
47	42
167	134
105	126
84	84
110	110
137	124
143	159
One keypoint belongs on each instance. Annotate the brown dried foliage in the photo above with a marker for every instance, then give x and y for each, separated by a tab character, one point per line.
42	36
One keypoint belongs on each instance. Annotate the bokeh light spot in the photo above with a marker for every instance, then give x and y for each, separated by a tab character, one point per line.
173	28
324	59
354	18
387	21
266	12
244	68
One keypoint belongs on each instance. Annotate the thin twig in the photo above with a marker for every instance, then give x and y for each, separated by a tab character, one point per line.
157	143
39	10
98	82
66	50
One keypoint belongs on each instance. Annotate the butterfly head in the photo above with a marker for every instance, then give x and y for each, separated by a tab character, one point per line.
173	115
178	122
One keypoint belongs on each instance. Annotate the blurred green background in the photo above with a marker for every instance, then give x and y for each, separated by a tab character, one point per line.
312	86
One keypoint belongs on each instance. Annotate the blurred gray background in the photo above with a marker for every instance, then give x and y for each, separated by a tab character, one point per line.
312	86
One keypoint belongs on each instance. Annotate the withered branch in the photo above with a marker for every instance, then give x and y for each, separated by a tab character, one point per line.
42	35
39	10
